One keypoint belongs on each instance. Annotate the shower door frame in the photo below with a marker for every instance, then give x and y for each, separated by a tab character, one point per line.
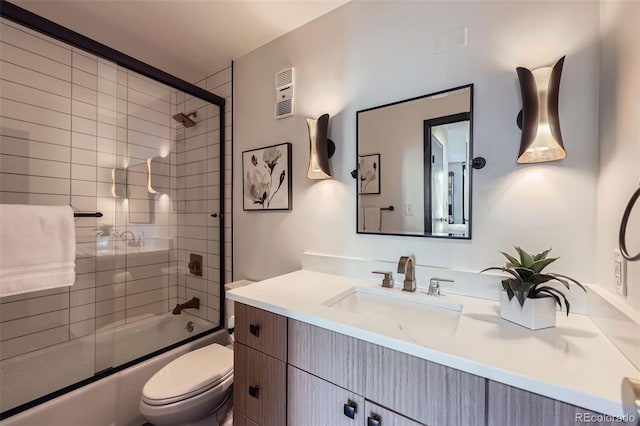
42	25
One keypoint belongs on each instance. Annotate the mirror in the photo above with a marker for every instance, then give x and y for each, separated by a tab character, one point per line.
414	166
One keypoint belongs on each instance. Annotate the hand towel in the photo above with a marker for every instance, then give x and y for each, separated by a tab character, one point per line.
371	219
37	248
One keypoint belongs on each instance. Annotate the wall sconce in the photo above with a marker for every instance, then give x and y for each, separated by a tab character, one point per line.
321	148
157	182
538	119
119	183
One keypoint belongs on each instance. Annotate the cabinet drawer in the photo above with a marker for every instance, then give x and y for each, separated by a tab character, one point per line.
424	391
509	406
335	357
312	401
261	330
259	388
240	420
376	415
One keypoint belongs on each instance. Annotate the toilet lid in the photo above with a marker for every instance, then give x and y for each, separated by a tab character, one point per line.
190	374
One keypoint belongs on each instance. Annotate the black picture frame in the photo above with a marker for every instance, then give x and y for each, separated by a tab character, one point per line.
365	186
266	178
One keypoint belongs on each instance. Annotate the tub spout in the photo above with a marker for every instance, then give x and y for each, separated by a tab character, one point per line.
191	304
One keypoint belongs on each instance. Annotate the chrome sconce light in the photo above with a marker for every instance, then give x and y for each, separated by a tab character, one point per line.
538	119
321	148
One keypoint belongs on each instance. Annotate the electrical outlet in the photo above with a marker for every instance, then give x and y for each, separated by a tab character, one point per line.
620	273
408	209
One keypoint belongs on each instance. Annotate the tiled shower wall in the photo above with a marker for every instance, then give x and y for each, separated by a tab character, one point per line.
67	119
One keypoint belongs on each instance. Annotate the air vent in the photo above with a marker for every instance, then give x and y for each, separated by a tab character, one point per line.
284	93
284	108
284	78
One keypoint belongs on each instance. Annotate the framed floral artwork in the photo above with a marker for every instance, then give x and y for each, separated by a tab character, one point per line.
266	178
369	174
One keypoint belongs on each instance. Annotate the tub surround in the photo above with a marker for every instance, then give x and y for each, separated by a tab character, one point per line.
573	362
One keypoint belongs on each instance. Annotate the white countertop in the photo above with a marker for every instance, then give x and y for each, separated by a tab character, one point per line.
572	362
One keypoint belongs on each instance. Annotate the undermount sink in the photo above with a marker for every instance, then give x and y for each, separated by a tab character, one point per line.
414	313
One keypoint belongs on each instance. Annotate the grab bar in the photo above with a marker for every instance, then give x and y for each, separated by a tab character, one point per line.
81	214
623	228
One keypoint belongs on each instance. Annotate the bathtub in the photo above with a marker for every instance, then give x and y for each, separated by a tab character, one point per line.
35	374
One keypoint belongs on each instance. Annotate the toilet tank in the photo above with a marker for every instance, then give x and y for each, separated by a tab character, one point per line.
229	303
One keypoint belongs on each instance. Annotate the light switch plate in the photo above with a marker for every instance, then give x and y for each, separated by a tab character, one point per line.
620	273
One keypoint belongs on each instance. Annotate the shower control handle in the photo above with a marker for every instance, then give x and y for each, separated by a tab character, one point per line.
254	329
254	391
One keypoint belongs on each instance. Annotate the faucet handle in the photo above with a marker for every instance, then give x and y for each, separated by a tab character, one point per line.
387	281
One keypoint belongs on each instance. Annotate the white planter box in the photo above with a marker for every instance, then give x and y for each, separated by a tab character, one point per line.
535	314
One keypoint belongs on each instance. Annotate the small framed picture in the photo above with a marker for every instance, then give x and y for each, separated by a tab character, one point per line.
369	174
266	178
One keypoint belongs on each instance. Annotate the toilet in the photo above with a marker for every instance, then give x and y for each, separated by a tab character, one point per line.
195	388
191	390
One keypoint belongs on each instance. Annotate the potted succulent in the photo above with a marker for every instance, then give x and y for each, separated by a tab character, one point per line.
527	299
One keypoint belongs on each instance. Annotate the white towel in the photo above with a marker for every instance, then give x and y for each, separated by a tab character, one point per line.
37	248
371	220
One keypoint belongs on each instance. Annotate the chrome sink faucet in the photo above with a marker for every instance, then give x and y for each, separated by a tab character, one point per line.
406	267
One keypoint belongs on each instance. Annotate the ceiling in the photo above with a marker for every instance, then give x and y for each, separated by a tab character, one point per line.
186	38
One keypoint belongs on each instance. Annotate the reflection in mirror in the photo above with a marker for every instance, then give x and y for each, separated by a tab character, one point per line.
414	173
141	202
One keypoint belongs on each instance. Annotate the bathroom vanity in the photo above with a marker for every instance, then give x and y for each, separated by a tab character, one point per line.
310	352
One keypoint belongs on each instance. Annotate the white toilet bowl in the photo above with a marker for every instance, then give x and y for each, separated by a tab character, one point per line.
191	389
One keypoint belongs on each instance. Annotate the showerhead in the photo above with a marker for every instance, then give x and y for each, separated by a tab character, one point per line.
184	119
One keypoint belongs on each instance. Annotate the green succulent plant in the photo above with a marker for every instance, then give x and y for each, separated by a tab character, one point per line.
528	281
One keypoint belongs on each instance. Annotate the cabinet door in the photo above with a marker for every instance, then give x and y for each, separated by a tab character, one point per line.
261	330
376	415
508	406
335	357
312	401
425	391
259	388
240	420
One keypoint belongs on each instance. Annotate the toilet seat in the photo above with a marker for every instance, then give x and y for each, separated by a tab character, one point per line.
189	375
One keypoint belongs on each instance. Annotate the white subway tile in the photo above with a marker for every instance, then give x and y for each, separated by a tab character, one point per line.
32	96
83	125
83	140
85	63
82	187
26	130
82	312
140	312
21	111
84	110
33	342
148	101
37	80
33	324
82	297
33	184
107	70
35	42
34	149
86	95
150	87
27	59
83	156
85	173
33	166
34	306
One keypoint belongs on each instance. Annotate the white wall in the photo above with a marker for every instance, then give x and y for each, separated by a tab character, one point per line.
619	139
370	53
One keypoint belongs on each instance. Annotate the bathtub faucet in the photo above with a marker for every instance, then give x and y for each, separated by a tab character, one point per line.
191	304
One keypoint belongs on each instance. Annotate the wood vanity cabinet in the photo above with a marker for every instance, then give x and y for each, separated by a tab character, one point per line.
424	392
292	373
260	369
508	406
